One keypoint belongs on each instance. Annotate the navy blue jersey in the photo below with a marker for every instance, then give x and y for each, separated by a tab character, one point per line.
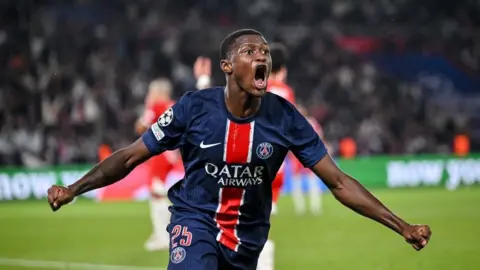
230	163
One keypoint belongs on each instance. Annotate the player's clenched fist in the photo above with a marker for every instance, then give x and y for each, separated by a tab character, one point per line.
417	235
58	196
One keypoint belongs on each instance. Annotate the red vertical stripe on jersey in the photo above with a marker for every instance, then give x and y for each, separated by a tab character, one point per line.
228	215
238	142
238	150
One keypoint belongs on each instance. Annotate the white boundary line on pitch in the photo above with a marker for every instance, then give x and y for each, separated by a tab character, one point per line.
68	265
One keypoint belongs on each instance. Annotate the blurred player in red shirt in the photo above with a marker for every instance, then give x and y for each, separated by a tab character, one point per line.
277	80
167	168
202	71
277	85
158	100
299	172
176	174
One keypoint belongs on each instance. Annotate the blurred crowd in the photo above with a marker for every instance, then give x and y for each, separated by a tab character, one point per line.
74	74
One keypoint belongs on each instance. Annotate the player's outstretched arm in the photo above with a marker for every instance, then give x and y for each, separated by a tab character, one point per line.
352	194
107	172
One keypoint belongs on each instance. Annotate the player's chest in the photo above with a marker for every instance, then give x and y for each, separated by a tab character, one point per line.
220	140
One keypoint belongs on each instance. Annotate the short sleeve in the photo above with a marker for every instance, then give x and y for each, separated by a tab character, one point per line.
304	142
167	132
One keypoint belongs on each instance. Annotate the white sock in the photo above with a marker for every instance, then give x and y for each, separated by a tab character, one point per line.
266	260
297	195
160	217
274	211
315	195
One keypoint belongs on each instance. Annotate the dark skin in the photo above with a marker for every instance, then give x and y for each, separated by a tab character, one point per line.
243	99
242	96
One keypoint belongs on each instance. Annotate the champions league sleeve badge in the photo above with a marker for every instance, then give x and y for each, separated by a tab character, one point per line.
166	118
264	150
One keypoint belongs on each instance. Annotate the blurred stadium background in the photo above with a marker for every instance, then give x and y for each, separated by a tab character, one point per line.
395	85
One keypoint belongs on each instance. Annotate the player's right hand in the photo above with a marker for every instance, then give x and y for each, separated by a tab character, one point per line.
58	196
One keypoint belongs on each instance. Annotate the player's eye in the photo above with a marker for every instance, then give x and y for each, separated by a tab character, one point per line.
265	51
249	52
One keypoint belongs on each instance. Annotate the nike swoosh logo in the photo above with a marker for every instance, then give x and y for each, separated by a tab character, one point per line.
203	146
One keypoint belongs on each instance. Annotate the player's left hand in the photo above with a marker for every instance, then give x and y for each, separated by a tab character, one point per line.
417	235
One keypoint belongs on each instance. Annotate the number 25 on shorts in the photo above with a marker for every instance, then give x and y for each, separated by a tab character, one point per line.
185	237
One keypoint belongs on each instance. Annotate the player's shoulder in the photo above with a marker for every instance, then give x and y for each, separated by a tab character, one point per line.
279	110
278	103
208	94
198	102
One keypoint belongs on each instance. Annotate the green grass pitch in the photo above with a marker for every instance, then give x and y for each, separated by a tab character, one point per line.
114	233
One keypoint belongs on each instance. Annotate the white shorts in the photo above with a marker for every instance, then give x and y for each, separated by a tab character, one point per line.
173	178
158	187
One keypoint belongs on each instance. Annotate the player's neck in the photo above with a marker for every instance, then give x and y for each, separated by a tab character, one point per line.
239	103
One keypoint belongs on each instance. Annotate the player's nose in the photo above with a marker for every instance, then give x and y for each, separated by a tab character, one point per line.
260	57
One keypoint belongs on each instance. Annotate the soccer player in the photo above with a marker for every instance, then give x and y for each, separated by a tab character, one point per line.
157	101
277	85
278	75
233	140
315	194
166	168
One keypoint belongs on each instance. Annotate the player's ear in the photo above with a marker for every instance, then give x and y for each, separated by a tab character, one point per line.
226	66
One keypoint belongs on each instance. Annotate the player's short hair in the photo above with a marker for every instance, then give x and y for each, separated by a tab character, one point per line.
161	85
279	55
230	40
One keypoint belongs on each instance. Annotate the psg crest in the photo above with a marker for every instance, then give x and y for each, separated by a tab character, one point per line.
178	255
166	118
264	150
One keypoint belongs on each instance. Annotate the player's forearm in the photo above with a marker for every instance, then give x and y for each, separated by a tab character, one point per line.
107	172
353	195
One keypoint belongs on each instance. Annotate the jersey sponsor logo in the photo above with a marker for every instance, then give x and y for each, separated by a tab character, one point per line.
264	150
178	255
203	146
157	132
236	175
166	118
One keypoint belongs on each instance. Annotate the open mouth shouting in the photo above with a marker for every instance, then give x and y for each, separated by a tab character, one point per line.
260	78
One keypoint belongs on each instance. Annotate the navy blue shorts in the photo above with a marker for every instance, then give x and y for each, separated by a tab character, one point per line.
193	248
